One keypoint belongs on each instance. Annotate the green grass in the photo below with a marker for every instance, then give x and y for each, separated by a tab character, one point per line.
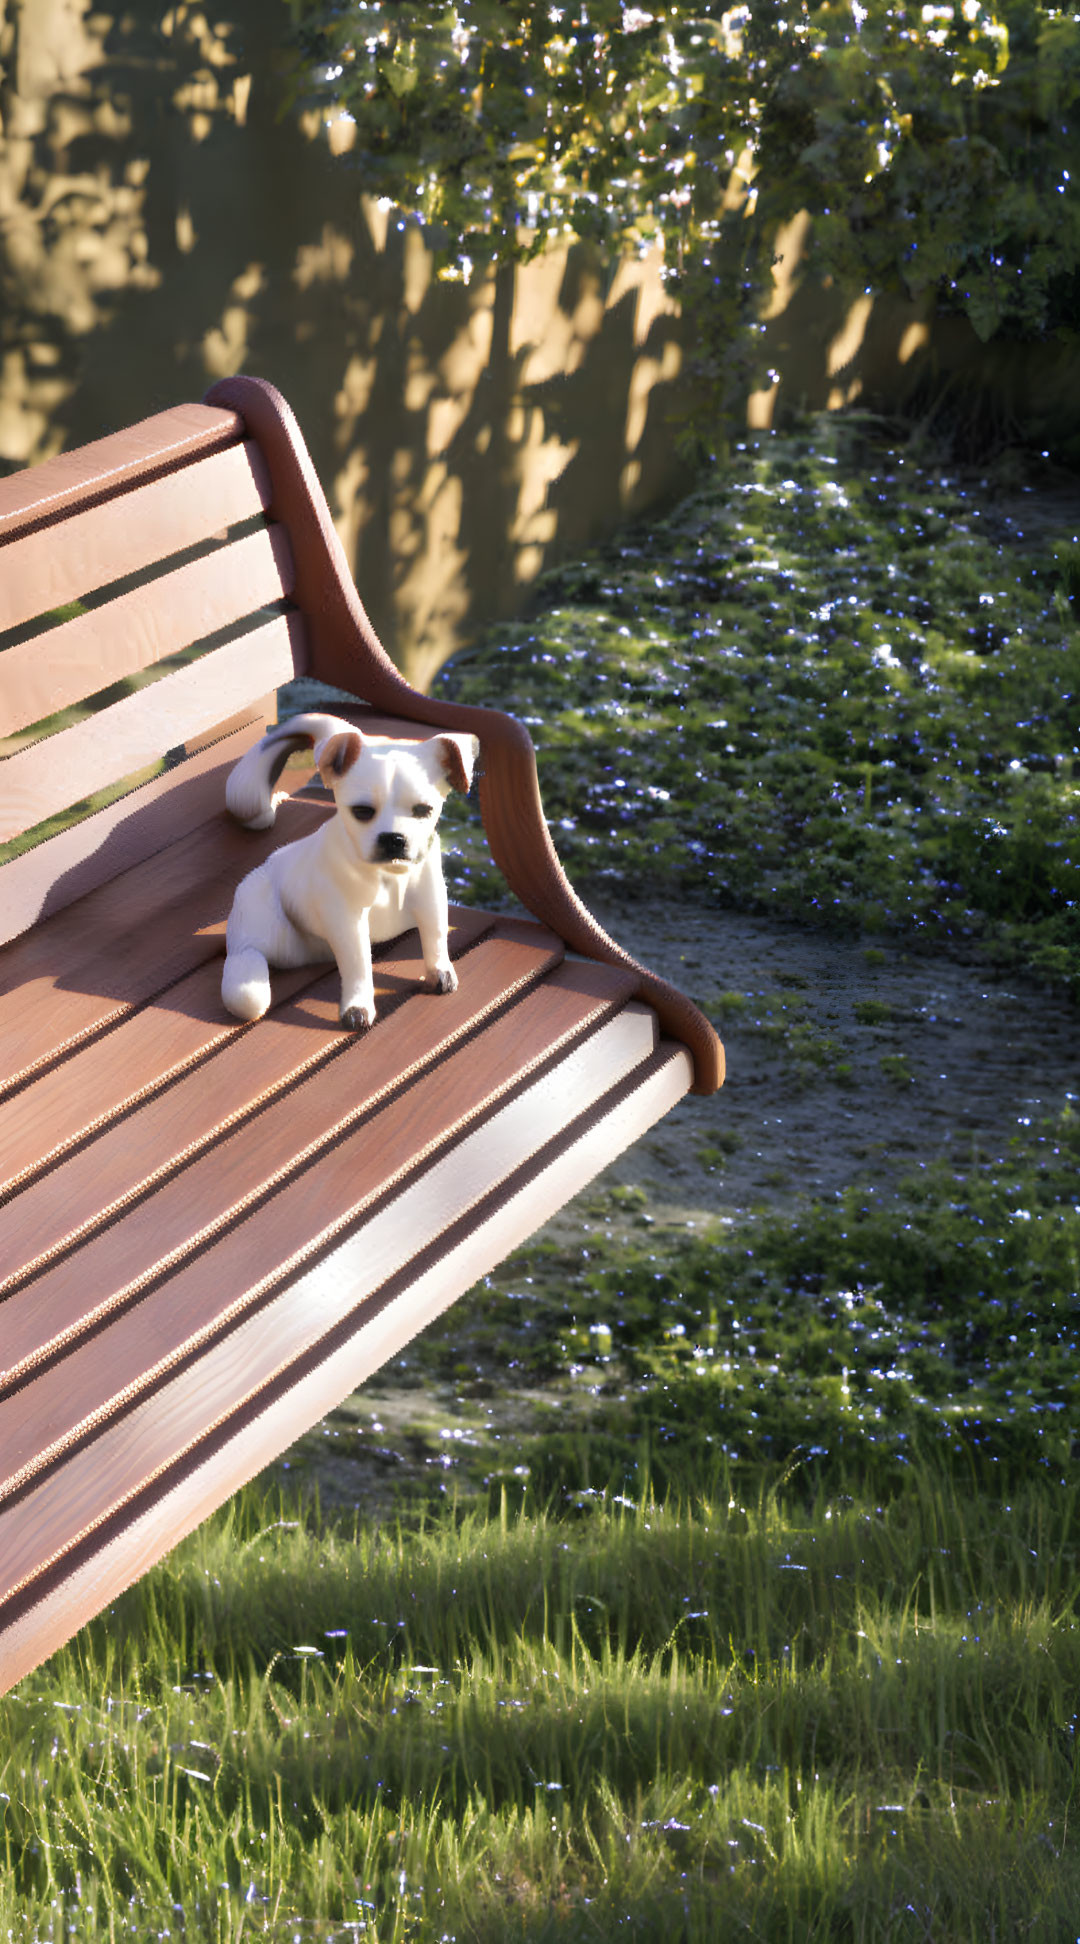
837	684
942	1313
763	1621
802	1717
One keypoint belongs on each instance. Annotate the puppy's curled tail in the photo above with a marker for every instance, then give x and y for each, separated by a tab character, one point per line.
245	983
249	791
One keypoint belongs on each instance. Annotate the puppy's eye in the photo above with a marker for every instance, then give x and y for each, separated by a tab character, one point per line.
423	809
363	812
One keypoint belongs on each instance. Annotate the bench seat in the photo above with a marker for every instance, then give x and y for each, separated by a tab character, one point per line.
211	1232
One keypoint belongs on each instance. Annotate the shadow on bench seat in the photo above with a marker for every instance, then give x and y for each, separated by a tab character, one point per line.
212	1232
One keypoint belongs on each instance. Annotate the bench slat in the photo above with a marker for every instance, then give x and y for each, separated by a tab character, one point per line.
80	971
41	882
121	1545
49	776
76	1105
144	626
305	1166
113	464
115	1456
59	563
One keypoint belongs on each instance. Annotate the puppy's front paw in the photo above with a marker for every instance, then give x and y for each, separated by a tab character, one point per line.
444	978
357	1019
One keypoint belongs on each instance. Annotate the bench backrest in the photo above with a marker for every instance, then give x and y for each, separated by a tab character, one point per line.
144	619
202	555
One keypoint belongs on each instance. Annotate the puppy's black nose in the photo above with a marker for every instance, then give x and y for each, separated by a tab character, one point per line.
392	844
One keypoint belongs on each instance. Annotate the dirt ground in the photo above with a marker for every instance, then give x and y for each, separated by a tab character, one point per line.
848	1059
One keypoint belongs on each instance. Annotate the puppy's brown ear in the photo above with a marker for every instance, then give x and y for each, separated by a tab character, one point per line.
337	755
457	754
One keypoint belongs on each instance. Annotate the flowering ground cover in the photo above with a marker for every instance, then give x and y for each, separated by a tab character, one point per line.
836	684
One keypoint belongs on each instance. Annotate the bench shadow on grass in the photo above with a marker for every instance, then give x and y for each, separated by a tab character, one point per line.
858	1723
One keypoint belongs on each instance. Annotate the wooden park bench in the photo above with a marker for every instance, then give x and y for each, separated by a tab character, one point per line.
210	1232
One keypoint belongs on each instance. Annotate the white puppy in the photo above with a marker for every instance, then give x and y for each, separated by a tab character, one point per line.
369	873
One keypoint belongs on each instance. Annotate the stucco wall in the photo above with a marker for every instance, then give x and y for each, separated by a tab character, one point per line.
165	220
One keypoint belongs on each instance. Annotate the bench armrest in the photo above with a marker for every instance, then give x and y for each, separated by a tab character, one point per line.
345	651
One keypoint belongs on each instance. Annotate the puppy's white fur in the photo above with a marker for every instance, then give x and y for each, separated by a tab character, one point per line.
369	873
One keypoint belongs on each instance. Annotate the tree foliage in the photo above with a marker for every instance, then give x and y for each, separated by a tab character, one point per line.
937	147
504	125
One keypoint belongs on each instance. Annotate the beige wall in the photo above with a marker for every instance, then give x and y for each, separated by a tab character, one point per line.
890	356
163	221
